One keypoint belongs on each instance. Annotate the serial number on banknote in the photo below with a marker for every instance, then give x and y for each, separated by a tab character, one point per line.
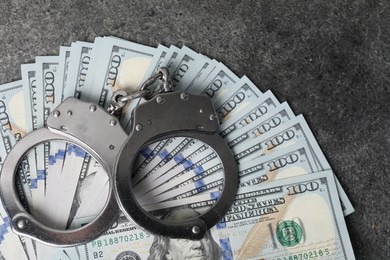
308	255
119	239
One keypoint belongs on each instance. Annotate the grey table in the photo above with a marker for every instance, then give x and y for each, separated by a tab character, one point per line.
329	59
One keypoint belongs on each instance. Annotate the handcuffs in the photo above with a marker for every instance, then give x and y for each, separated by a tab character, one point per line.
99	133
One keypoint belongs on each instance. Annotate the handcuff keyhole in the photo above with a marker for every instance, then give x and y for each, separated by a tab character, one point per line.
118	97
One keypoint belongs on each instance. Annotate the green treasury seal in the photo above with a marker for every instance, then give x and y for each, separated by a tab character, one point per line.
289	233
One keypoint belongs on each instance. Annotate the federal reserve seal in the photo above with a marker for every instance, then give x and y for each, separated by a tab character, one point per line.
289	233
128	255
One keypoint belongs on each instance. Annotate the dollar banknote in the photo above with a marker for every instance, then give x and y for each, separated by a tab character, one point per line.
63	68
262	125
297	217
14	119
36	154
236	99
79	61
218	83
260	109
188	63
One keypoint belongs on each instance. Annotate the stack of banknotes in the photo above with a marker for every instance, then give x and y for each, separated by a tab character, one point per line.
289	204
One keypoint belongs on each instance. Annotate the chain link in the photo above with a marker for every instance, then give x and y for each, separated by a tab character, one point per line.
121	97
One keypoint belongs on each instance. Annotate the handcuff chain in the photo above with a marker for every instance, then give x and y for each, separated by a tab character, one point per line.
120	97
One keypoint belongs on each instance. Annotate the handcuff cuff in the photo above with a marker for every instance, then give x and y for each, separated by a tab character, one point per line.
84	124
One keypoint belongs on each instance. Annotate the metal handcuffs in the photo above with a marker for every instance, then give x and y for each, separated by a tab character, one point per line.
84	124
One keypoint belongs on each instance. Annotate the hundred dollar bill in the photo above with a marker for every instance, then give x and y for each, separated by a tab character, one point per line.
29	88
260	126
294	160
237	99
47	78
178	62
48	96
253	112
197	75
295	213
304	204
171	58
63	68
13	113
290	218
189	63
79	62
48	90
29	79
14	118
218	83
36	96
34	104
207	69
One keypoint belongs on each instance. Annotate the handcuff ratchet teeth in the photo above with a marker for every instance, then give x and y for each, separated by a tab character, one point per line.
84	124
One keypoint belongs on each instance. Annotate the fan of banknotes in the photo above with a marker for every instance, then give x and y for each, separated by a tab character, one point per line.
289	204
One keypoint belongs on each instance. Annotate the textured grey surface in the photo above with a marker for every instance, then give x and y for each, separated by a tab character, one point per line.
329	59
